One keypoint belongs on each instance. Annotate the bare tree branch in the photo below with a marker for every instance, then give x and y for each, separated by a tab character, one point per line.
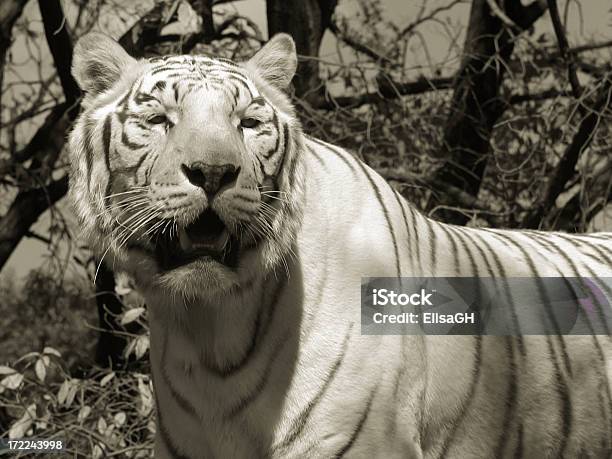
23	213
60	45
425	85
10	10
497	11
360	47
432	14
37	142
422	86
144	32
564	47
590	47
547	94
387	91
566	168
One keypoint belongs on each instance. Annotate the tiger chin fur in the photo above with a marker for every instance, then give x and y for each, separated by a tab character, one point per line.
264	358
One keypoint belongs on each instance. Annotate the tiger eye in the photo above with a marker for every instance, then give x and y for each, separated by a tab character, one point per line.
158	119
249	123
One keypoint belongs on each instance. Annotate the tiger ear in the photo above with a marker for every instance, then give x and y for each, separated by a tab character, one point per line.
98	62
276	62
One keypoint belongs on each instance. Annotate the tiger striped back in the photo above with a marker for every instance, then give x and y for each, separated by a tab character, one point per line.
249	240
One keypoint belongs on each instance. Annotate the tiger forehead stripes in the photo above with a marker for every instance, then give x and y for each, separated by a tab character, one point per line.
175	95
248	241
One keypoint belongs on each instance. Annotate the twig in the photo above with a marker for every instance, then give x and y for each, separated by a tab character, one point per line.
388	91
357	46
590	47
564	47
542	95
410	27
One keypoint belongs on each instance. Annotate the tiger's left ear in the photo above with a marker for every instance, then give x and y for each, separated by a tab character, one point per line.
99	62
276	62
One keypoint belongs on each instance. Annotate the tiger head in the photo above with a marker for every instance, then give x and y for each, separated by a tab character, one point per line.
184	169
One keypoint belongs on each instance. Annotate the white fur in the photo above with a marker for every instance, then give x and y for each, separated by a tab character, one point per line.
312	385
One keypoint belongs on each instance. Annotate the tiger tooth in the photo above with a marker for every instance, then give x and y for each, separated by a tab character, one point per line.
184	241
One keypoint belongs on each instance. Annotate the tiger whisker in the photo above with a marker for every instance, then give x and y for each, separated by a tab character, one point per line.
100	263
166	225
142	223
275	197
135	215
153	228
112	243
267	192
128	224
123	208
131	191
130	200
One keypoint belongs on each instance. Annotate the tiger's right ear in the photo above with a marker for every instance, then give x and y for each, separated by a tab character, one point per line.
276	61
98	62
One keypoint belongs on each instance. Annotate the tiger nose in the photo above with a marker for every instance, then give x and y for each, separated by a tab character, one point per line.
211	178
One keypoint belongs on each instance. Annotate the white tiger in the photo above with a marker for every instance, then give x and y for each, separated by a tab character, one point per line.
249	239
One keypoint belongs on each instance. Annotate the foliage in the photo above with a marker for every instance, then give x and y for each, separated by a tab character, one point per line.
43	310
97	412
104	413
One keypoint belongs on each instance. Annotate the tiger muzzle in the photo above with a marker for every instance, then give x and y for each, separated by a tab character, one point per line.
206	237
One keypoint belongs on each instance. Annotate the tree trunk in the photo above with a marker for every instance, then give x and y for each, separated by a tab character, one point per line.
110	346
476	103
204	9
60	44
305	21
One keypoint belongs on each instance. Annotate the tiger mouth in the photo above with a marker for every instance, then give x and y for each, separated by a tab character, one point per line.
206	237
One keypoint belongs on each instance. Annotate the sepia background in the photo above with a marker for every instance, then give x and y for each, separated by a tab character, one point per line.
480	112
